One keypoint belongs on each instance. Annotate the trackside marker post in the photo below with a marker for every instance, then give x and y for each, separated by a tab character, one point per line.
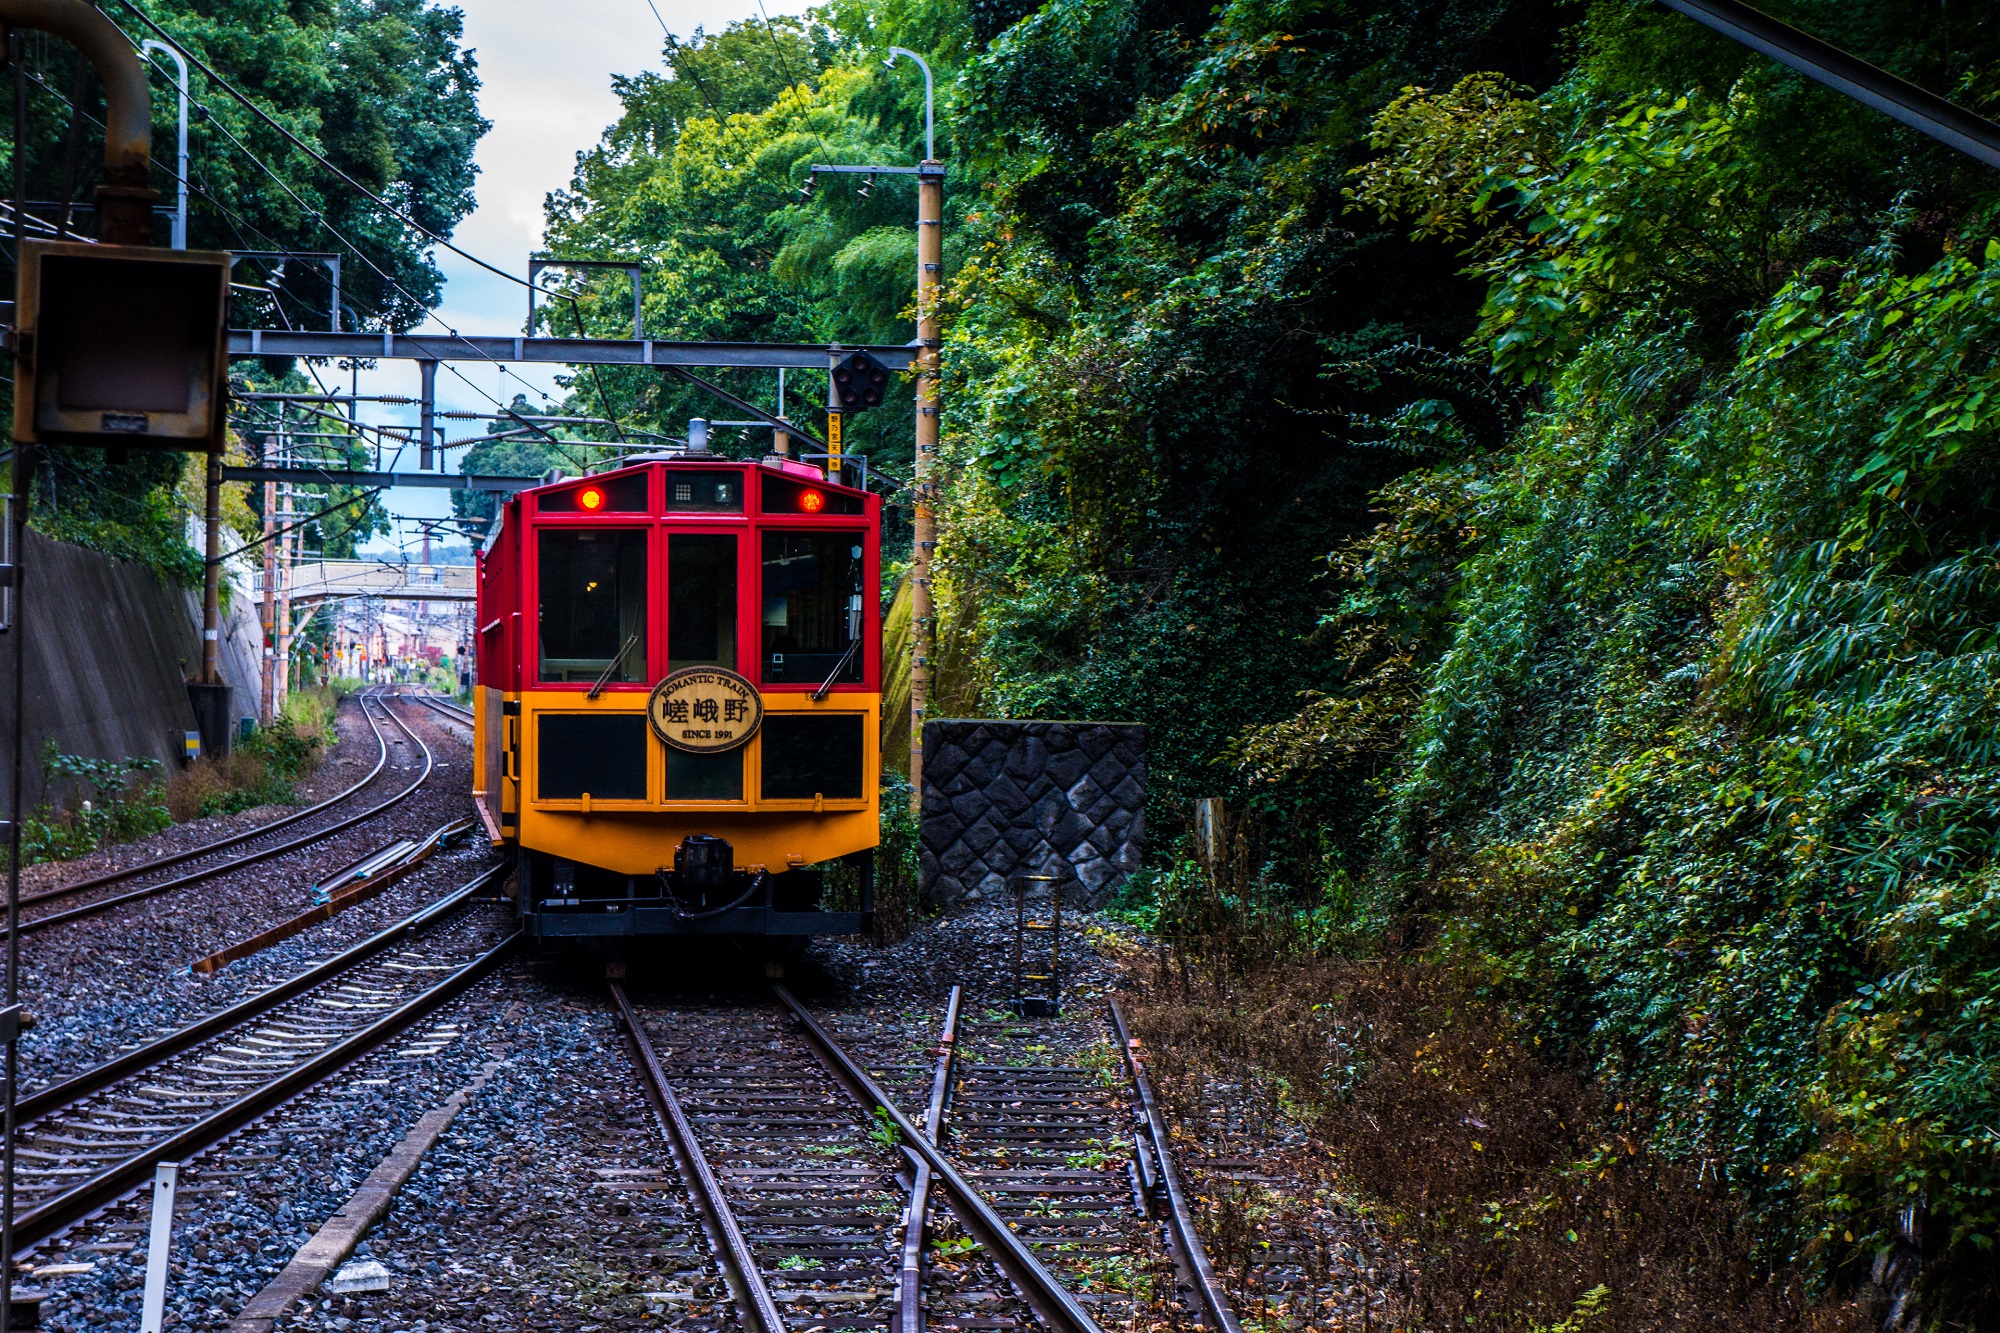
158	1246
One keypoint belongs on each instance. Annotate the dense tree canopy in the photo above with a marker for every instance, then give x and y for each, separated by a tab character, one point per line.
1538	459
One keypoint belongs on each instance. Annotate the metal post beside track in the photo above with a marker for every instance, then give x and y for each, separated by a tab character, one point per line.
159	1247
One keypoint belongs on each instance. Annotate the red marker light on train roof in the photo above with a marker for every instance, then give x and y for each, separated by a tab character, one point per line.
811	502
590	498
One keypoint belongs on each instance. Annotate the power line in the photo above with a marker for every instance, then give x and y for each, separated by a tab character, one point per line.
673	44
772	33
314	154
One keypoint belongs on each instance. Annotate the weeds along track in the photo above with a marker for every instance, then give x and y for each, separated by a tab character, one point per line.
821	1184
125	886
85	1141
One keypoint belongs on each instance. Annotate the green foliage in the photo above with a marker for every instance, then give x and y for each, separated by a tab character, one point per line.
275	757
1633	659
1698	767
131	511
109	800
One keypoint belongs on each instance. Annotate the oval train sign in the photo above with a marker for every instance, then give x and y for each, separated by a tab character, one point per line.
704	710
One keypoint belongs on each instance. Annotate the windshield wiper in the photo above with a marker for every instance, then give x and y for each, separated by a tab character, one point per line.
853	646
609	671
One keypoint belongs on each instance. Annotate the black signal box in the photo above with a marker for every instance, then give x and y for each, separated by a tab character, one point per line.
120	345
859	383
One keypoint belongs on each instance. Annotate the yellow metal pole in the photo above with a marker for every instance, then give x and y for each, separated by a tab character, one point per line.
923	622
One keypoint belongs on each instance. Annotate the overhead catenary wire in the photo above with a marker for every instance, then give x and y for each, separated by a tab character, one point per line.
319	215
370	493
673	45
772	33
251	106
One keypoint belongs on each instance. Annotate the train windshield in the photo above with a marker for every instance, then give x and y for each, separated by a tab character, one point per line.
701	600
812	607
593	611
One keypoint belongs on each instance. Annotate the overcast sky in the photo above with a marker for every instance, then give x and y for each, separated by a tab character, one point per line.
546	74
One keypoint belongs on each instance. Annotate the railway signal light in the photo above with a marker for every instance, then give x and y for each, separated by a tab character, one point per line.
859	382
120	345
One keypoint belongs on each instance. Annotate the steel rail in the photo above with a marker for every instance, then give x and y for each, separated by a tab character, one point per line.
210	848
1049	1298
462	716
910	1278
739	1265
319	835
58	1096
1192	1257
44	1220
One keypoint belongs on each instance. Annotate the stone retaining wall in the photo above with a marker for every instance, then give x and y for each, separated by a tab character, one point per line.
1003	798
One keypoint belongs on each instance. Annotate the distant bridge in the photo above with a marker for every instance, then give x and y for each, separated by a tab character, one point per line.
329	580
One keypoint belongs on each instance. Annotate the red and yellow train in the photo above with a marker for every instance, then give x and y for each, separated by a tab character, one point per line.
678	699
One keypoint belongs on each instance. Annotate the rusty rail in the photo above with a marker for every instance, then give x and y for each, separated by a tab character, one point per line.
46	1219
209	848
1188	1250
910	1278
1059	1309
320	835
739	1266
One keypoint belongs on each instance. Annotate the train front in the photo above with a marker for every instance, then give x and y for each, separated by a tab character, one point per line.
678	701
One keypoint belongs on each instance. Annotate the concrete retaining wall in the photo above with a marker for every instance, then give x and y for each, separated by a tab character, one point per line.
109	646
1031	797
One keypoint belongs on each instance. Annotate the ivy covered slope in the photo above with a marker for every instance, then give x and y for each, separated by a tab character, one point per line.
1535	457
380	88
1172	350
1703	767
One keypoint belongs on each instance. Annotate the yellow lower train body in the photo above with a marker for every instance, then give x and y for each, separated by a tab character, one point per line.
595	866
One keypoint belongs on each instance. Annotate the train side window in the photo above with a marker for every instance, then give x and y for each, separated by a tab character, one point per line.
701	600
593	611
812	600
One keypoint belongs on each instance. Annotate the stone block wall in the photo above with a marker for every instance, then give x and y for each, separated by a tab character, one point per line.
1026	797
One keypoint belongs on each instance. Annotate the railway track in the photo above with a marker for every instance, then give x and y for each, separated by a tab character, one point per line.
791	1148
91	1138
452	711
44	920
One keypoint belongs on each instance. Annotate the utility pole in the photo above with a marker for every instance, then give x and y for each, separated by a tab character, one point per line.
208	694
923	610
930	265
211	582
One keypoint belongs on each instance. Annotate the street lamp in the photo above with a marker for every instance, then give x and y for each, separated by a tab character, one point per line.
930	122
181	82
